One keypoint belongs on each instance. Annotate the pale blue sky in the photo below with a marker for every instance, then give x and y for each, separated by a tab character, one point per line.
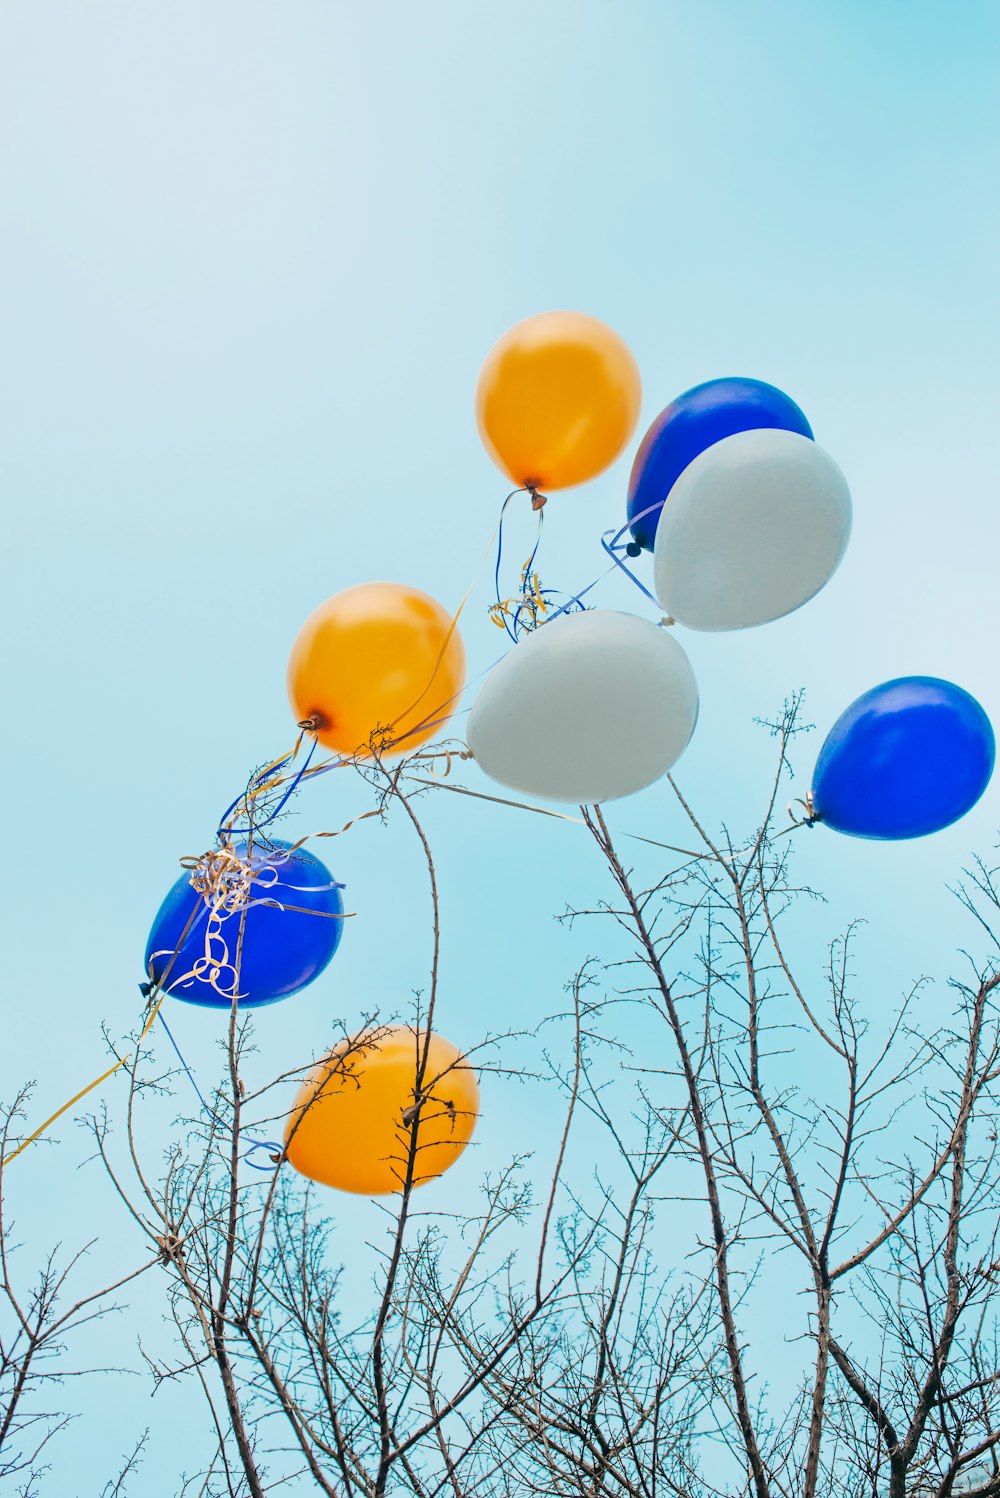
252	256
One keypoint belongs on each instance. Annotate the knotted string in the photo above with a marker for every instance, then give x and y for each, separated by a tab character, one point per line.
811	818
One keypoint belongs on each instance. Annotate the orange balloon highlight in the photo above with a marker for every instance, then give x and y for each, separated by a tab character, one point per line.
378	659
351	1126
557	400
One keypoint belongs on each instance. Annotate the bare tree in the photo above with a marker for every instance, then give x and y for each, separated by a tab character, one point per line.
396	1396
895	1251
43	1313
771	1177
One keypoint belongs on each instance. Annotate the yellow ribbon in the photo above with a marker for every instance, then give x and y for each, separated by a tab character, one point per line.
89	1088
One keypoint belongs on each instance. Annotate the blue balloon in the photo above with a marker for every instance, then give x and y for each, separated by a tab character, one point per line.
695	420
286	944
909	757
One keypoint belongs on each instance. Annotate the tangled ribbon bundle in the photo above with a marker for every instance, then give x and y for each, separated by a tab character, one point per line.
532	605
225	880
526	610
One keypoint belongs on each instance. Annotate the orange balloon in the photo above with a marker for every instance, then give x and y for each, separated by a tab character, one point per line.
557	400
377	659
352	1123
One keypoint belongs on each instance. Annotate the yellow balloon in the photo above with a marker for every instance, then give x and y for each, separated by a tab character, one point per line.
557	400
377	659
351	1125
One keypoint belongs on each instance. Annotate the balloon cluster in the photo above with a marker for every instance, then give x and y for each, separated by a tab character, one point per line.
746	517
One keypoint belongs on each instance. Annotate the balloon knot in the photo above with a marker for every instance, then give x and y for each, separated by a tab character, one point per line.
667	621
538	501
633	549
811	815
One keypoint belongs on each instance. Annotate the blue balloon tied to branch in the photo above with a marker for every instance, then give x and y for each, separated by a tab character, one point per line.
907	758
693	422
292	917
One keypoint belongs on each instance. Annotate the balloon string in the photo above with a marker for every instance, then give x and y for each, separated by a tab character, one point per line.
259	786
255	1144
575	598
538	502
561	816
453	625
271	778
89	1087
501	609
157	992
611	547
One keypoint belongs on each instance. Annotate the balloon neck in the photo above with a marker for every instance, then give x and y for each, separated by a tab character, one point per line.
810	815
313	723
538	501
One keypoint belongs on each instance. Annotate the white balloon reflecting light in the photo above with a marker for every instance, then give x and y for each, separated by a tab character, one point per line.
586	708
752	529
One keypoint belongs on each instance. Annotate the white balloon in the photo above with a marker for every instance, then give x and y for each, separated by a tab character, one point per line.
585	708
752	529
